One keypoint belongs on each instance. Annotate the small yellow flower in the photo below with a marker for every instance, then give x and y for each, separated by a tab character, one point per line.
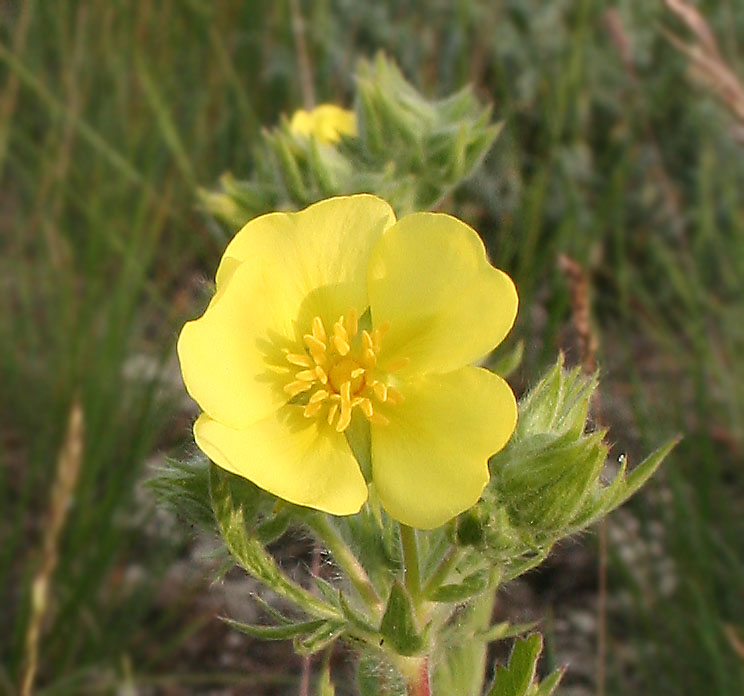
338	313
327	123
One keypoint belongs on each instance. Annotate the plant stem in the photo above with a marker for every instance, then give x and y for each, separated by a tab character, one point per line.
347	561
442	571
415	671
412	577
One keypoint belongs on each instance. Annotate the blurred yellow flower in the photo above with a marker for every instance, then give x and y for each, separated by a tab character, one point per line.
327	123
339	315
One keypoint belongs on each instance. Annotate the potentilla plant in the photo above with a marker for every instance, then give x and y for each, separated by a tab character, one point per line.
336	367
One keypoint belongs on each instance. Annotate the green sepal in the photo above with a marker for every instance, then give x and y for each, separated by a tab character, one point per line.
506	365
515	678
549	684
472	585
359	439
622	487
274	526
184	487
398	625
504	630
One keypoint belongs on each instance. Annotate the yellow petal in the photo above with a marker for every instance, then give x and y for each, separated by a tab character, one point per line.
231	357
326	122
323	250
430	462
299	460
430	278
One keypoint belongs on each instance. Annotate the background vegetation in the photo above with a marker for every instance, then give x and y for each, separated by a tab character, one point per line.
613	153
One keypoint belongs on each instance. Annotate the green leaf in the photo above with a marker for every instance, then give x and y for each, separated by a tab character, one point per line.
275	632
472	585
320	638
516	678
355	617
233	509
398	625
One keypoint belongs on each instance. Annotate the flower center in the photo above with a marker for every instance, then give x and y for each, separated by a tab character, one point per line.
339	371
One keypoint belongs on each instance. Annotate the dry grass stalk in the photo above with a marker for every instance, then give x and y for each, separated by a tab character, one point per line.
581	318
303	57
706	61
9	97
68	468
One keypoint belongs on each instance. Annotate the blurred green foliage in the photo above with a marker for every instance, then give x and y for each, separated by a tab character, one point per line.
113	113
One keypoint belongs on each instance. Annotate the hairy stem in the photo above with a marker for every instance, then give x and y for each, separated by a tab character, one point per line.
347	561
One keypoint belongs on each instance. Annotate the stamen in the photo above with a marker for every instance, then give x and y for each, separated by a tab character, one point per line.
319	396
341	345
369	358
394	396
312	409
332	412
295	388
352	322
378	419
299	360
340	376
317	348
396	364
319	331
367	408
381	391
345	393
345	418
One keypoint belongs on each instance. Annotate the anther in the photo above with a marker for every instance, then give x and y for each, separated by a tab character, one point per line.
332	412
381	391
396	364
352	322
297	387
299	360
341	345
317	348
318	330
394	396
320	395
312	409
367	408
345	418
306	375
378	419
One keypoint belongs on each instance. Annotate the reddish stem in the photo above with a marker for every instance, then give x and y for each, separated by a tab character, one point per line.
419	685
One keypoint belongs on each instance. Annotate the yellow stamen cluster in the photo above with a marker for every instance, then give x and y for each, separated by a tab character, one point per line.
339	371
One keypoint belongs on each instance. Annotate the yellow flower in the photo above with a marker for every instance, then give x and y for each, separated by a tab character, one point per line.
338	313
327	123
